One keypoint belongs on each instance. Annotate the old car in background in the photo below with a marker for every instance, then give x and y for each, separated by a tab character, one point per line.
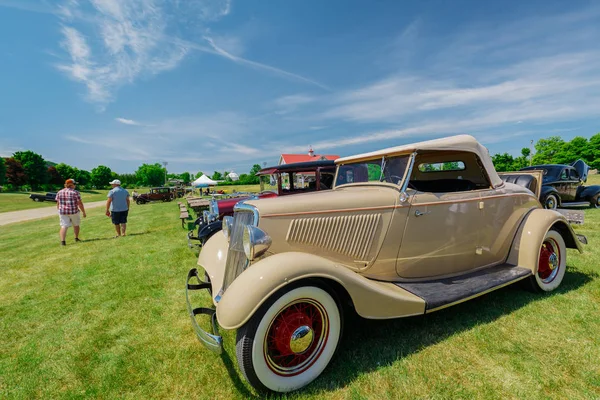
405	231
50	196
562	186
156	194
280	180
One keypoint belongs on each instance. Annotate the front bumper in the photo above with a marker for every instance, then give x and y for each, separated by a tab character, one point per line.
211	341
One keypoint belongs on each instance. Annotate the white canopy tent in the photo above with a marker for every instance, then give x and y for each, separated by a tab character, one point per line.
233	176
203	181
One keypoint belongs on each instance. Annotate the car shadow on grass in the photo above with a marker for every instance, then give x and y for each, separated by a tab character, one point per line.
372	344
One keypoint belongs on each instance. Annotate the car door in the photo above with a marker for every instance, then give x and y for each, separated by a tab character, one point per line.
574	183
502	213
564	186
441	235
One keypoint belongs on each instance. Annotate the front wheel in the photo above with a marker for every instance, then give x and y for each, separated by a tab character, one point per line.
595	203
551	202
290	340
552	263
36	200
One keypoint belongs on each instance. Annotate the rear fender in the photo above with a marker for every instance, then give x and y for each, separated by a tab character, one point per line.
589	193
371	299
546	190
530	235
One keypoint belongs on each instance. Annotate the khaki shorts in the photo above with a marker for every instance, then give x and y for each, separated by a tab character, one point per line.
67	220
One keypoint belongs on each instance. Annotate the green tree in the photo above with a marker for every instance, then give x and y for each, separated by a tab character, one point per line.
2	171
15	173
185	177
150	174
82	177
100	176
34	166
66	171
525	152
546	150
54	176
503	162
217	176
594	153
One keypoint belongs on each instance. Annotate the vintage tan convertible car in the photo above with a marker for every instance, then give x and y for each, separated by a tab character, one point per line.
406	231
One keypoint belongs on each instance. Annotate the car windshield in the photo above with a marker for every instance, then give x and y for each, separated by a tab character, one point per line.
385	169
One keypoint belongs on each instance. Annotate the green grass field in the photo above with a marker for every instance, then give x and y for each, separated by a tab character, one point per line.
107	319
14	201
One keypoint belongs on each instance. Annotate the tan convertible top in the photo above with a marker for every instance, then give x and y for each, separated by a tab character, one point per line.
451	143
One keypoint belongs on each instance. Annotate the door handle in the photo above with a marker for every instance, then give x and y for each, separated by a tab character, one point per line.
420	213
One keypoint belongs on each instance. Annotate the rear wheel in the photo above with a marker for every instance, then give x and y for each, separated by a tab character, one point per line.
290	340
551	202
552	263
36	199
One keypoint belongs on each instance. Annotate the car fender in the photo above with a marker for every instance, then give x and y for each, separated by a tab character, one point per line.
371	299
546	190
209	229
589	193
525	248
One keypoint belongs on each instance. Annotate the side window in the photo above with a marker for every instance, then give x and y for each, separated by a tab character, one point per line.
574	175
563	175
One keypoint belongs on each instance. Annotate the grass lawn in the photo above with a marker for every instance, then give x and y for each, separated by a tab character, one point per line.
14	201
239	188
106	318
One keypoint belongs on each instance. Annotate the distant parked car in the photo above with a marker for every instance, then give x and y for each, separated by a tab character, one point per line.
50	196
156	194
280	180
562	186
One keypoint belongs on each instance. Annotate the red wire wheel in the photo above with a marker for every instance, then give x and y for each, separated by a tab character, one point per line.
549	260
296	337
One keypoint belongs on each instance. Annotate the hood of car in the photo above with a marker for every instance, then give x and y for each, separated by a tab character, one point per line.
348	199
582	169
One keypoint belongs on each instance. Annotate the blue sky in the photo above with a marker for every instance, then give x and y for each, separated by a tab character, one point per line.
220	85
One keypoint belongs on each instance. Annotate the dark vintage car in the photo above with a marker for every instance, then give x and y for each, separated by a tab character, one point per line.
156	194
562	186
280	180
50	196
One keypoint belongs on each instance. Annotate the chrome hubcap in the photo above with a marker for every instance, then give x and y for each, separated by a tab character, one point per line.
301	339
553	261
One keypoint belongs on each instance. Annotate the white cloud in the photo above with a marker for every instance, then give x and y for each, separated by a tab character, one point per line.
126	41
128	121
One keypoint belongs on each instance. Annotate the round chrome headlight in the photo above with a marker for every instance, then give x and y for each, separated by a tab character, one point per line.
227	226
255	241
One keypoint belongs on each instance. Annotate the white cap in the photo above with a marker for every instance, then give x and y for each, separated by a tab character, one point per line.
115	182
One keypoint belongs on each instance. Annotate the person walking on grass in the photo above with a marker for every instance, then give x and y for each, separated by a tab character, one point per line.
117	207
68	203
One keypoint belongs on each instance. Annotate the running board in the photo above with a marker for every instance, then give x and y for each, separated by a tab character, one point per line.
575	204
441	293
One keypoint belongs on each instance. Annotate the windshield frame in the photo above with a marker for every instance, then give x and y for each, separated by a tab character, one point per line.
401	185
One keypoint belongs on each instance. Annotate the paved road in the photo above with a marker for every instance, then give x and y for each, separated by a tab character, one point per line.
37	213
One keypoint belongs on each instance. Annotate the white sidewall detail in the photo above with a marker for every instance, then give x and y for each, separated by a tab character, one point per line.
286	384
562	266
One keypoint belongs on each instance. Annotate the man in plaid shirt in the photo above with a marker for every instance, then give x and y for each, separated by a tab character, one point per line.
68	202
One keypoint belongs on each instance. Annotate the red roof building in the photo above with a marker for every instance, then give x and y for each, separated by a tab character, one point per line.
311	156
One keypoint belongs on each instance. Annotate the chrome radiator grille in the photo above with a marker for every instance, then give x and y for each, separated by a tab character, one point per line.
236	258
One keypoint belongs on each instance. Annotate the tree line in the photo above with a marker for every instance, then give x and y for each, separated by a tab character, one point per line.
553	150
27	170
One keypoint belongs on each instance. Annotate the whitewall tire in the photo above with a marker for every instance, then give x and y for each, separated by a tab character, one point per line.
290	340
552	263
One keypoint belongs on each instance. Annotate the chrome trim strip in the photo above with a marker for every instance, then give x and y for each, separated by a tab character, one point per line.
242	206
408	172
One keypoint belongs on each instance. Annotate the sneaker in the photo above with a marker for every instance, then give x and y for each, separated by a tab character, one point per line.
77	240
63	243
